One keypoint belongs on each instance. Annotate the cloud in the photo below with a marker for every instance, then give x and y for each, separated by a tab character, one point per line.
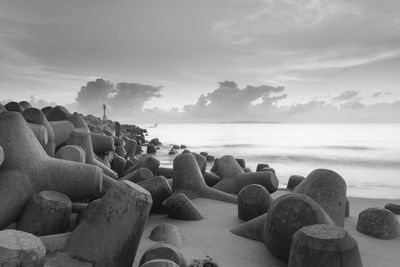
121	98
229	102
346	95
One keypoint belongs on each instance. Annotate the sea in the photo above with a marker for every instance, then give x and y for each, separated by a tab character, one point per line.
367	156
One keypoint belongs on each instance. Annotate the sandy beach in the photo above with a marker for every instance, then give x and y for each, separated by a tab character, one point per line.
212	237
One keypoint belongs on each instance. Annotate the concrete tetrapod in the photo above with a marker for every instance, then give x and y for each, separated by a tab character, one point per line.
62	130
252	229
179	207
58	113
327	188
14	106
1	155
324	245
253	201
227	166
288	214
36	116
233	185
18	248
159	189
159	263
130	147
25	104
294	181
379	223
72	153
27	169
47	213
40	133
189	180
210	178
110	230
167	233
138	175
102	143
81	137
118	165
164	251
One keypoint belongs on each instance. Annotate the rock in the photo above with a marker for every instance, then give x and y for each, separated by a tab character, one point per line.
395	208
18	248
72	153
163	251
110	230
189	180
155	141
253	201
28	170
233	185
159	263
179	207
324	245
379	223
288	214
167	233
186	151
241	162
172	152
159	189
183	146
329	189
294	181
175	146
14	106
261	166
47	213
252	229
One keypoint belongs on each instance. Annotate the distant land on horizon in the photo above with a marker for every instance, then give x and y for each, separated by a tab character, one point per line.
251	121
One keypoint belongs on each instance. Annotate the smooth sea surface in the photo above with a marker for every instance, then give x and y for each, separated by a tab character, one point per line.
367	156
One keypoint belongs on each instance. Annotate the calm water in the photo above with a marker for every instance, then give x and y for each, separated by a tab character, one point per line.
366	155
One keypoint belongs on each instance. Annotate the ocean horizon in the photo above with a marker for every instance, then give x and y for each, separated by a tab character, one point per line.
367	156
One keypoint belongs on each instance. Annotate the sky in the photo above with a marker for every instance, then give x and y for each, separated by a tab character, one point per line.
186	60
